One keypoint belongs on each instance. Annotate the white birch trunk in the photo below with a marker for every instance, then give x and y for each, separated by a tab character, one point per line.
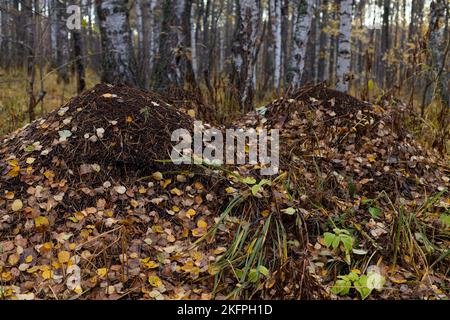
244	49
118	61
275	9
301	29
153	32
53	30
343	56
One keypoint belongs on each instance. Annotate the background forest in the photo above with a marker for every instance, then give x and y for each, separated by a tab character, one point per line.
232	55
92	91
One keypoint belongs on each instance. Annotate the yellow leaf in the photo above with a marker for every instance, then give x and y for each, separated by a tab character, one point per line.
47	246
155	281
176	191
17	205
150	264
129	119
41	221
29	259
47	274
190	213
30	160
357	271
142	190
158	229
166	183
49	174
102	272
6	276
197	232
230	190
372	157
191	113
63	256
202	224
134	203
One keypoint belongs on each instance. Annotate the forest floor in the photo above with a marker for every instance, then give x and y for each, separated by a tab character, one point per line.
90	208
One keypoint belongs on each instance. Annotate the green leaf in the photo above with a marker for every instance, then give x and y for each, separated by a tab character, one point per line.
445	219
340	231
353	276
374	212
348	242
328	238
341	287
361	287
336	242
29	148
253	275
255	189
239	273
290	211
249	180
263	270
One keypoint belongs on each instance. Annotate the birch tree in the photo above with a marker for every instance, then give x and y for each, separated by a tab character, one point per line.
244	51
343	56
62	41
275	12
118	63
302	27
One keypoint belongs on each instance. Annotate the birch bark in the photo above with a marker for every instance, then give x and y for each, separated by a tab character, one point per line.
302	28
118	63
343	55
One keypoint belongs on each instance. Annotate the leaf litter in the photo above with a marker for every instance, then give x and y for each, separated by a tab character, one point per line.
91	209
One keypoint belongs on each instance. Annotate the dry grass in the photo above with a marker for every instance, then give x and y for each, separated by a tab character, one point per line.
14	97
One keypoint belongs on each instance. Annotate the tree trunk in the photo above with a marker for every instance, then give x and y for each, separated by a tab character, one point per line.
118	61
53	25
244	50
79	65
439	42
169	69
62	41
343	57
275	12
193	30
302	28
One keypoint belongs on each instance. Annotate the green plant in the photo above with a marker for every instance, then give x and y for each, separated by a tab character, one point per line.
363	284
340	239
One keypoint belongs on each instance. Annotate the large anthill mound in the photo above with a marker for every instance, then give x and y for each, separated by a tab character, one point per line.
124	130
357	147
87	210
